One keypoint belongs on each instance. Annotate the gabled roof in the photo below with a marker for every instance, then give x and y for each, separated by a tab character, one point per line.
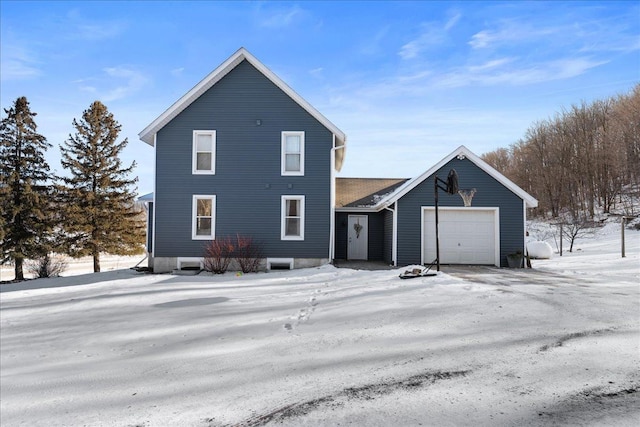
148	134
460	151
146	198
364	192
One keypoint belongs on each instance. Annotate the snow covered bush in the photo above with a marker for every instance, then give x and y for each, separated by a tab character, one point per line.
539	250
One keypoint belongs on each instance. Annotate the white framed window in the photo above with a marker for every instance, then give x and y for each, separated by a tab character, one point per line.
204	152
292	227
292	153
203	218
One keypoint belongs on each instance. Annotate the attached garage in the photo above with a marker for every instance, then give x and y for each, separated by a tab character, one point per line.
467	235
401	218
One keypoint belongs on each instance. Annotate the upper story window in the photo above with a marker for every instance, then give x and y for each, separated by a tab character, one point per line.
204	152
292	227
203	218
292	153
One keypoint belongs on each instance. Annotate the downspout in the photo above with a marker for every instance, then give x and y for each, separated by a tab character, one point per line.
394	240
152	250
155	206
524	218
332	207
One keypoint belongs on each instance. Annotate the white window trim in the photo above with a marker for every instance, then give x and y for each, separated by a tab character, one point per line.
194	159
194	217
283	217
283	160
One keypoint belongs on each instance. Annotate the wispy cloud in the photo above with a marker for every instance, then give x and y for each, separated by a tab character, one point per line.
431	34
497	73
18	63
452	21
115	83
177	71
316	72
277	17
93	30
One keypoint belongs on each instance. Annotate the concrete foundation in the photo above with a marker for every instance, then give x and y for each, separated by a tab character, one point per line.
168	264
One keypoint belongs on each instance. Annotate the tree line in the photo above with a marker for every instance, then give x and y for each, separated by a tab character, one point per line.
88	211
583	161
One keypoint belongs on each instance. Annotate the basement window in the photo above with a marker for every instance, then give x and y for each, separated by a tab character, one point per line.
279	263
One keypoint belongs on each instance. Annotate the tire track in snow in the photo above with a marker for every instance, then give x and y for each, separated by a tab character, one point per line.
560	341
366	392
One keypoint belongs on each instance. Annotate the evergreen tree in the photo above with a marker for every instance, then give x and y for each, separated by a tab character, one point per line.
24	195
99	208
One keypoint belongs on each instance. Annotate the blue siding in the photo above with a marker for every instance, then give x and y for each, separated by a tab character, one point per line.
248	182
490	193
388	237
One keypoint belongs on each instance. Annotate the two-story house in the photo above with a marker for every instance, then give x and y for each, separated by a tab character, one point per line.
243	154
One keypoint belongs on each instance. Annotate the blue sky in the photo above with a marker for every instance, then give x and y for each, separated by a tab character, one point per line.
408	82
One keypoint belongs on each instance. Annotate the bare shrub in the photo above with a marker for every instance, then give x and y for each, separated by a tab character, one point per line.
218	255
47	266
248	254
576	227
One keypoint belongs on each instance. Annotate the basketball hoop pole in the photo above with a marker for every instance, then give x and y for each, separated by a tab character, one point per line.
451	187
437	234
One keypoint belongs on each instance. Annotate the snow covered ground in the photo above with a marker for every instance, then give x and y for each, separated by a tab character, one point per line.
75	266
556	345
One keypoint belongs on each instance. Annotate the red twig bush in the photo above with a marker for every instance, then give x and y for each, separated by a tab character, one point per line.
218	255
248	254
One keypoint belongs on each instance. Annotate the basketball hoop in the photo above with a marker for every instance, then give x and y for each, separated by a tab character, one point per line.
467	195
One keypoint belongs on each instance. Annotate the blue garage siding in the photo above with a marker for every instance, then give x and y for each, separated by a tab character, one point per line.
247	183
490	193
388	237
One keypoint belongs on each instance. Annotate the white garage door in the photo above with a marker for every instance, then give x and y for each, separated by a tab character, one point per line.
467	236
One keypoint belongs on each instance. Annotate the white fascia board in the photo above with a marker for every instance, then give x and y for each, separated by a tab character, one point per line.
462	150
147	135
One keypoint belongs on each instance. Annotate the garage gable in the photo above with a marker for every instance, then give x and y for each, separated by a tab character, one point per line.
460	153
